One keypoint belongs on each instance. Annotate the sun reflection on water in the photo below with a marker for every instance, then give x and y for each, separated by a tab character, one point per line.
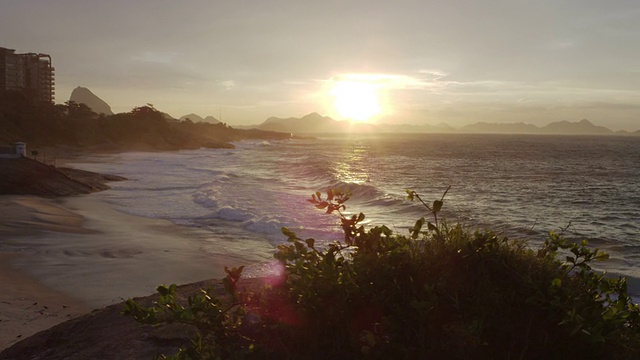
353	168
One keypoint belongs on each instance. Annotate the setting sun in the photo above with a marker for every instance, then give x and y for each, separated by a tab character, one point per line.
356	100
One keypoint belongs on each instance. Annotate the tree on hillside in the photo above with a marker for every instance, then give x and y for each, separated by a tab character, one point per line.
78	111
146	112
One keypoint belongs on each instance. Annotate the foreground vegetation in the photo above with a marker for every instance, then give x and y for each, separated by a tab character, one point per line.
441	291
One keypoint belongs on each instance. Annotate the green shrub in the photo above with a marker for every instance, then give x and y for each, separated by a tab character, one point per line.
442	292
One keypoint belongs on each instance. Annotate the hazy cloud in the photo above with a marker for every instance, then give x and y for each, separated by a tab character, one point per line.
276	57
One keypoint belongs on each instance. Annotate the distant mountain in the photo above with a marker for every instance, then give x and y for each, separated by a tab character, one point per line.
495	128
169	117
82	95
445	127
316	123
312	123
198	118
411	129
583	127
192	117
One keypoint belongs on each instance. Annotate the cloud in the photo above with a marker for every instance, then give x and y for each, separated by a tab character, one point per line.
155	58
195	55
228	84
393	81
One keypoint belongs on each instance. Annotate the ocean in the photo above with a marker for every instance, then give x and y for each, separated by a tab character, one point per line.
522	186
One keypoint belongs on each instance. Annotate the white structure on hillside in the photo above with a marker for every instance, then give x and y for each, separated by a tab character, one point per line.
18	149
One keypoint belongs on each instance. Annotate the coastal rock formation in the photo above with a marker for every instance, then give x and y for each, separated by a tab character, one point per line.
82	95
24	176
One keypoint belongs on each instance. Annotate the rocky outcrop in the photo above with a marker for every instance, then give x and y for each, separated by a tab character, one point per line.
24	176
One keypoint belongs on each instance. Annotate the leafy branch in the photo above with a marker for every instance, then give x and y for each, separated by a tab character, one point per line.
441	293
434	210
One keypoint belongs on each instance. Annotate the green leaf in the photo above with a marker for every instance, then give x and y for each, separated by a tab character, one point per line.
576	329
415	230
437	206
432	227
310	242
163	290
288	233
322	205
410	194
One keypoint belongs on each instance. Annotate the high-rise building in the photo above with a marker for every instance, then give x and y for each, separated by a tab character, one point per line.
29	73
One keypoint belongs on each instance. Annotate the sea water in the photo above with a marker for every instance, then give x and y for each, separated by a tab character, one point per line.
522	186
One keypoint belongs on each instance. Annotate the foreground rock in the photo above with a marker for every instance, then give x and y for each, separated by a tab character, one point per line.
24	176
107	334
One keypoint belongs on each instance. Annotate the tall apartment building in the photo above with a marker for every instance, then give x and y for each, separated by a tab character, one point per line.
29	73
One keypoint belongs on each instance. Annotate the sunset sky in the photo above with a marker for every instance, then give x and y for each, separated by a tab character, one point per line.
457	61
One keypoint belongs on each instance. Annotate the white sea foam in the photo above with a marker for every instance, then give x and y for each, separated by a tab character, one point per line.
515	183
232	214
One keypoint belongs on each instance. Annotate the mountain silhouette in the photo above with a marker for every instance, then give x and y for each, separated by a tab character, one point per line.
312	123
316	123
197	118
583	127
82	95
500	128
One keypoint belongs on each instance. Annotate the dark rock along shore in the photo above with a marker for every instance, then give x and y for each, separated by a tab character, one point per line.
107	334
24	176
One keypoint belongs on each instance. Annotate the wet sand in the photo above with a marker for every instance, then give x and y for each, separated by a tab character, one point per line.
27	306
61	258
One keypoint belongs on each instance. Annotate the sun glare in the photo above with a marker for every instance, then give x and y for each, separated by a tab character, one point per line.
356	100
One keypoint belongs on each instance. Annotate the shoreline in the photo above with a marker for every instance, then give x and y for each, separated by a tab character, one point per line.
61	258
89	252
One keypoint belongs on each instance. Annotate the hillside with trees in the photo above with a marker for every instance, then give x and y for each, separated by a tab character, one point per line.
143	128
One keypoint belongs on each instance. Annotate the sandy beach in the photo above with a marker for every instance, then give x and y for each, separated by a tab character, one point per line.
61	258
27	306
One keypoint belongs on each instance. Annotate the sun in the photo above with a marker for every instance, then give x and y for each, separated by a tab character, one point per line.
356	100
